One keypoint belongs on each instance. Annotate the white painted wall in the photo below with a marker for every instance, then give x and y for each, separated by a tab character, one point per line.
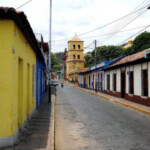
144	66
111	75
137	80
105	87
80	79
128	69
118	80
114	72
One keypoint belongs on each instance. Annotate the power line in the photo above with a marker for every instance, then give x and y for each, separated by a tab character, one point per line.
105	24
141	4
128	20
89	45
124	25
110	34
111	22
23	4
133	35
100	43
113	32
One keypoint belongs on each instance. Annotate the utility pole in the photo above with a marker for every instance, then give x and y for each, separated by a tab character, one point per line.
95	43
49	54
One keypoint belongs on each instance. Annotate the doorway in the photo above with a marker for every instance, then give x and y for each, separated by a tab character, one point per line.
20	91
123	84
89	81
28	89
39	89
84	82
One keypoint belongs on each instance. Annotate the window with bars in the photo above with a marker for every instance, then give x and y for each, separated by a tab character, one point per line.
144	82
74	47
108	82
131	83
114	82
74	56
78	46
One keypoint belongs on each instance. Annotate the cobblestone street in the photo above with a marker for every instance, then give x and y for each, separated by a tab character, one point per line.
85	121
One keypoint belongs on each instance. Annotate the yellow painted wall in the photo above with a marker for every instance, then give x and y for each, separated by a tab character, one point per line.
14	49
71	43
71	62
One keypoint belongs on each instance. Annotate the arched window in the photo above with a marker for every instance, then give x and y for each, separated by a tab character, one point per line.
78	56
74	47
74	56
78	46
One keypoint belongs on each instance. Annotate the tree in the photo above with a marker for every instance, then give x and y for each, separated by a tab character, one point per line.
104	53
54	62
88	60
141	42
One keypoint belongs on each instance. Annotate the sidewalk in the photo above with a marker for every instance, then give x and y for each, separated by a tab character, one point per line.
38	133
117	100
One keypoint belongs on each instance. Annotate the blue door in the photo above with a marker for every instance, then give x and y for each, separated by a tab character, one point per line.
98	82
89	80
101	81
93	81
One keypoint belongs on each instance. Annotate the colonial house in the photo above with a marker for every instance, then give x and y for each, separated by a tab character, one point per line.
129	78
93	77
19	51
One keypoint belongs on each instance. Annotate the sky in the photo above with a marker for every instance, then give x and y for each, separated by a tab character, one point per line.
74	17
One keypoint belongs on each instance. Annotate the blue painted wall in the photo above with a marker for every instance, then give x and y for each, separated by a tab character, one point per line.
40	81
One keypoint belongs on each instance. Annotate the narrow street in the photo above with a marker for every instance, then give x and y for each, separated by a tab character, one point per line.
84	121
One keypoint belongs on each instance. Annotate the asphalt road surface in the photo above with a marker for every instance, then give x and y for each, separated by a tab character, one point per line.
86	122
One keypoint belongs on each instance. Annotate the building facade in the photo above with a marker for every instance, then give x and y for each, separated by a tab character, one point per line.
40	81
18	52
93	77
75	57
129	78
41	64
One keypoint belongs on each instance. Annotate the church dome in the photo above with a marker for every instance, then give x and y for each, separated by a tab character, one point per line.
76	39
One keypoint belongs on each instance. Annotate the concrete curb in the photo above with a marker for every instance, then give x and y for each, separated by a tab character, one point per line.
133	107
115	101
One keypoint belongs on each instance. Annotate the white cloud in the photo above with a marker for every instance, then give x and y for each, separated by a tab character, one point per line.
70	16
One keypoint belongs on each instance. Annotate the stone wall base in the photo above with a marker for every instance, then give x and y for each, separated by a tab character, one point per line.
133	98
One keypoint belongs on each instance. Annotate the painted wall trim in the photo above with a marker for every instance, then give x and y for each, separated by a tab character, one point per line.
9	141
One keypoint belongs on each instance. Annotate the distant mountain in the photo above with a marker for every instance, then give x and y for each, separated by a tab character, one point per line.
60	57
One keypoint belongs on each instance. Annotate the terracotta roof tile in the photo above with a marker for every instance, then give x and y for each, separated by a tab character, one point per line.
11	8
130	58
84	70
